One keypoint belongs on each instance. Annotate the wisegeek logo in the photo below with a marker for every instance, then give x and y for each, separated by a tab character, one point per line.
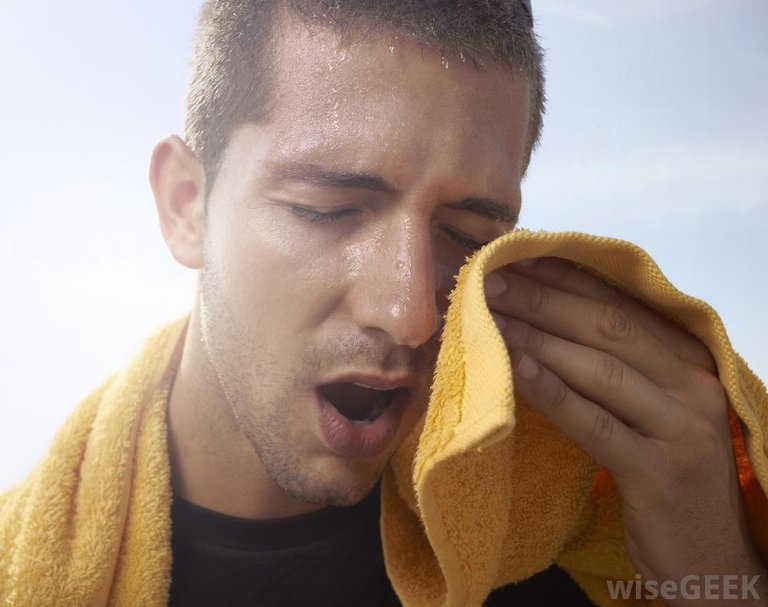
694	587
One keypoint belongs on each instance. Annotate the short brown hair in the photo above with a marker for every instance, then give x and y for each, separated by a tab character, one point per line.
230	81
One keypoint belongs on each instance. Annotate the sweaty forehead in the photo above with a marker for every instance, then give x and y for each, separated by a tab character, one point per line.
388	91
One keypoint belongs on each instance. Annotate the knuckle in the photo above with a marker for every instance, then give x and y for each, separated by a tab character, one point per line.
708	382
712	396
610	371
538	298
558	395
534	341
702	357
615	324
602	427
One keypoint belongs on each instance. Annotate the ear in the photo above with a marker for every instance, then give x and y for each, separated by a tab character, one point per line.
178	184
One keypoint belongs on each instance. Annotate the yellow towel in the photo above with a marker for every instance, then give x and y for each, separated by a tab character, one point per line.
483	493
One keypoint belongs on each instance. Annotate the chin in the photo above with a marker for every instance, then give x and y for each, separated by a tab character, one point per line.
349	483
339	483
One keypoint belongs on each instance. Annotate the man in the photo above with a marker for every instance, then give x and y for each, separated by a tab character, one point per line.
342	160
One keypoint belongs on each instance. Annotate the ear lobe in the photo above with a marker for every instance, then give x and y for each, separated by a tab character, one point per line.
178	184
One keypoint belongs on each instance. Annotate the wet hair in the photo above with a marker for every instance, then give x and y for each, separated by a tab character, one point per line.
231	77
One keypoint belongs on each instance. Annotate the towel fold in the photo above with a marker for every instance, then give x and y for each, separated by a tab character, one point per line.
483	492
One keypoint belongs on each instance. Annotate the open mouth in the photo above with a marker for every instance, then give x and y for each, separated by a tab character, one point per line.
359	403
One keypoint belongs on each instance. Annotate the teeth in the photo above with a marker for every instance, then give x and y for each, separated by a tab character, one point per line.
362	422
370	387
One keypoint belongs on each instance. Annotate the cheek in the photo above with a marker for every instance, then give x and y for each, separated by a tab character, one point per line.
268	263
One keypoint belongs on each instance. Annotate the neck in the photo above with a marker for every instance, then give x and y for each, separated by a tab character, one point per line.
212	462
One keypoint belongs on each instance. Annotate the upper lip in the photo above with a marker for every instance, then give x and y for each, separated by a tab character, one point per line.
384	381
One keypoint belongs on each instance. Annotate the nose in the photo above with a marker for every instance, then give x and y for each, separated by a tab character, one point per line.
396	293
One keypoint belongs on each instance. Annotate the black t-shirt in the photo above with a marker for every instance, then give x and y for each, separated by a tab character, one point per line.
331	557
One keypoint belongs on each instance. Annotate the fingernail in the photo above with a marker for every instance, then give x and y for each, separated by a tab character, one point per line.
500	321
495	285
526	367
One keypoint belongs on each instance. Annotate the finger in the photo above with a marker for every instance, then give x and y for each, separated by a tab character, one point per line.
602	435
591	323
566	276
602	378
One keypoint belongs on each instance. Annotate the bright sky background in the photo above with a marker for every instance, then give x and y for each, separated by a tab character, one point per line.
657	132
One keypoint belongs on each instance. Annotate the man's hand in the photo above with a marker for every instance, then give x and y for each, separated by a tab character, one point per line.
642	397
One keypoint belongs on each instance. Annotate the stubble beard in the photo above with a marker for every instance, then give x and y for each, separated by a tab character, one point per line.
261	408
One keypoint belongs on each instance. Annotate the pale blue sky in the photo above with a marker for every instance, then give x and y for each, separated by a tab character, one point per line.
657	132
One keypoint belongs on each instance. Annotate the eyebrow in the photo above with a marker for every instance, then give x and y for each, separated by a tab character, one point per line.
322	176
486	207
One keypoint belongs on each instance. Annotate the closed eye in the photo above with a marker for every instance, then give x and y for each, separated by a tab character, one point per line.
320	217
470	244
323	217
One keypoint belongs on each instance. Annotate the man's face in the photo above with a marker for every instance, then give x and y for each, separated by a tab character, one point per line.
334	233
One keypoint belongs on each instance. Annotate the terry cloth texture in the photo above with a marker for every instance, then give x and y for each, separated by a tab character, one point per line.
483	493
